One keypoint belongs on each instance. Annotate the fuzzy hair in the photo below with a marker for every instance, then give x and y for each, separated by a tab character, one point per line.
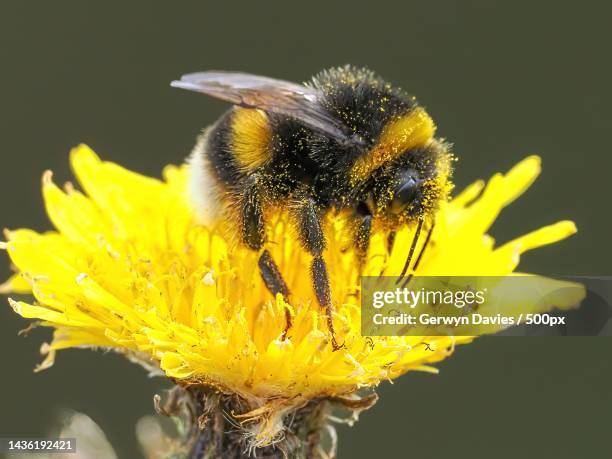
204	189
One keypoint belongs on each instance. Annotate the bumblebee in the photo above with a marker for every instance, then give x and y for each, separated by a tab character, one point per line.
346	141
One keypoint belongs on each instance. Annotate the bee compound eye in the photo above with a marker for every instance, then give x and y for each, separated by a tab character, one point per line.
405	193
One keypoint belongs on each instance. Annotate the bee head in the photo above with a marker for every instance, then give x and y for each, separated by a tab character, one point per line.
413	185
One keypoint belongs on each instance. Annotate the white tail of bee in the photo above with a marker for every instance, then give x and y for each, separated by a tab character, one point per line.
203	188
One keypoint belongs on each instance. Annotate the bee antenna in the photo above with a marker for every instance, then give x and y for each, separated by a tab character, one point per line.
420	256
415	239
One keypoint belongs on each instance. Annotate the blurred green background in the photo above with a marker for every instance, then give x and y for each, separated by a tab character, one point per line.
502	79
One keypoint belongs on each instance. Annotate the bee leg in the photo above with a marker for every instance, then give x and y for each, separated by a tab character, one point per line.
274	281
253	235
252	219
390	241
362	239
313	239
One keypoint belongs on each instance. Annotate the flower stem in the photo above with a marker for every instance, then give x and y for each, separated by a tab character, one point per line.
210	430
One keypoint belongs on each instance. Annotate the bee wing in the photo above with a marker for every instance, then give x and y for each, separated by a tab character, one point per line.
268	94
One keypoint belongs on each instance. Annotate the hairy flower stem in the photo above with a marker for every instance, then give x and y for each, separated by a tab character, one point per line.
302	440
211	430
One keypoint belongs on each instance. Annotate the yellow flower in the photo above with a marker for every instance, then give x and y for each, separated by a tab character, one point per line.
128	268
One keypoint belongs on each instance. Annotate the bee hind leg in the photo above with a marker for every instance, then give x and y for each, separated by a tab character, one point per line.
253	235
274	281
313	240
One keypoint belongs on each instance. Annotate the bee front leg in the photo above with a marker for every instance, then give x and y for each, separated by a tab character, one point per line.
363	232
253	235
390	241
313	240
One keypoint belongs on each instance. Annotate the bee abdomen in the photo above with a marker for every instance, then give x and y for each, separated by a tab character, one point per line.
251	138
220	153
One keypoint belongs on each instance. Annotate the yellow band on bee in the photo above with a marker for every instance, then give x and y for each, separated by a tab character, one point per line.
251	138
412	130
